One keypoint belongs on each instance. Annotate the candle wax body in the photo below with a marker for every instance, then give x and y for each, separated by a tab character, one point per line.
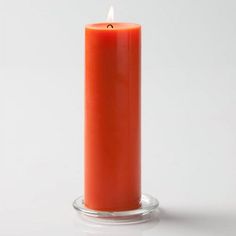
112	116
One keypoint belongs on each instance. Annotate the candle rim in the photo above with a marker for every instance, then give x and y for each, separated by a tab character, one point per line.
102	26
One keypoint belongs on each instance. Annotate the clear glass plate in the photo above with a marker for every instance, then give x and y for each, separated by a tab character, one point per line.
147	206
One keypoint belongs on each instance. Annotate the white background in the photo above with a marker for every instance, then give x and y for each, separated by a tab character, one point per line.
188	114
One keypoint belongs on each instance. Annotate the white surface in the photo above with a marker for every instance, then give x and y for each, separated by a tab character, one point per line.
188	119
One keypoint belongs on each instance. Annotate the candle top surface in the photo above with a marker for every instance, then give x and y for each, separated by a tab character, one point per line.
113	26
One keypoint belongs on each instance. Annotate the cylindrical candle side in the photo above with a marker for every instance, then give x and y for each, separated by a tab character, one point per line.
113	117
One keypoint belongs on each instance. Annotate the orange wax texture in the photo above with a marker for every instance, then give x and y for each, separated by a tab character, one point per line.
112	116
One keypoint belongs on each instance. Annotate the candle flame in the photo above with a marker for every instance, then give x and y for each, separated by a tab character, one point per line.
110	15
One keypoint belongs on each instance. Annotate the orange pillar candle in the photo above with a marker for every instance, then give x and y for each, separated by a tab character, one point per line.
112	116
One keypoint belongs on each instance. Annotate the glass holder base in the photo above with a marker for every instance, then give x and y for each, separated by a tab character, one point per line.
147	206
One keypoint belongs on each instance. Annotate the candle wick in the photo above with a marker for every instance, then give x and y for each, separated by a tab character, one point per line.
109	26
